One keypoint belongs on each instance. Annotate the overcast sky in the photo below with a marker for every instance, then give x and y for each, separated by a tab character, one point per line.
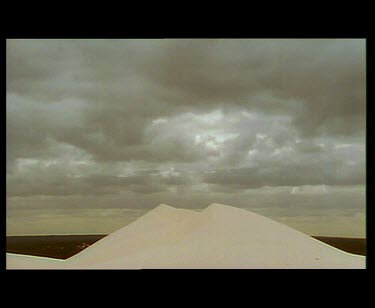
102	126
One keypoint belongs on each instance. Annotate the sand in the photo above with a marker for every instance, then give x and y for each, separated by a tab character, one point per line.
220	236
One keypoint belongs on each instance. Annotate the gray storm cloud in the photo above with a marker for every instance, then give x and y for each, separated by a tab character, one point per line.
237	114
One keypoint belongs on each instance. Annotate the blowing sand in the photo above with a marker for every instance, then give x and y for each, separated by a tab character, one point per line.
221	236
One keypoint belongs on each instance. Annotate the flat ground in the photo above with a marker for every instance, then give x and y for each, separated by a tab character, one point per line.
65	246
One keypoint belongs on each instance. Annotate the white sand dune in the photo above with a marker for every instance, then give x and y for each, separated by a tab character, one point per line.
19	261
221	236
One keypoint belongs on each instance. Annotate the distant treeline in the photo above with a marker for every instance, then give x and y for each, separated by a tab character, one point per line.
352	245
53	246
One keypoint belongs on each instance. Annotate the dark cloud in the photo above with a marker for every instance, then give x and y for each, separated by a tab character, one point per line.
259	112
287	175
56	181
62	185
318	81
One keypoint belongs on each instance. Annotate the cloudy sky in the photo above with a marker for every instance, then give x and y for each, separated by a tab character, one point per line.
99	131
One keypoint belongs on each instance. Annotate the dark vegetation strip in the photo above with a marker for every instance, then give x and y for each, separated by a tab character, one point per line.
352	245
53	246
